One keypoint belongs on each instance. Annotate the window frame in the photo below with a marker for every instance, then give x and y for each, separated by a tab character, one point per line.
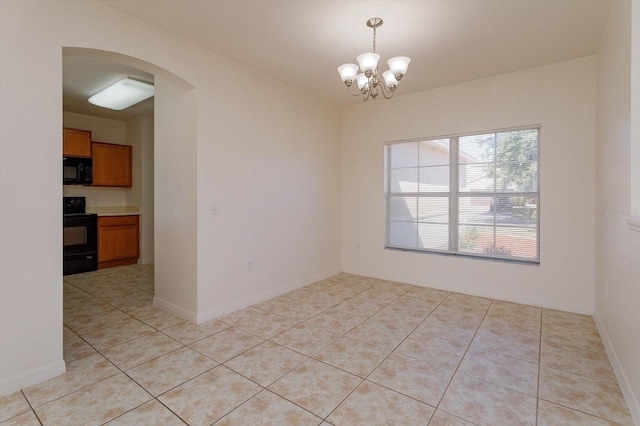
454	196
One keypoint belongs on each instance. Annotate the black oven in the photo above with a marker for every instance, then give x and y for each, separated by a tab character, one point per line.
77	171
80	237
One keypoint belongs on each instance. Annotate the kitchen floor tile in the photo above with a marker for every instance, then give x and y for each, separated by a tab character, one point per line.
267	326
502	309
168	371
227	344
595	397
188	332
80	373
409	376
208	397
503	370
586	363
316	387
266	409
242	315
568	320
266	362
550	414
117	395
25	419
484	403
151	413
430	295
371	404
306	339
437	351
83	324
577	337
12	405
160	319
441	418
515	345
353	356
141	350
73	346
125	331
337	320
380	333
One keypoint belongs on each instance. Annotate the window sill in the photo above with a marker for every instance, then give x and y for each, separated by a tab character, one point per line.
634	225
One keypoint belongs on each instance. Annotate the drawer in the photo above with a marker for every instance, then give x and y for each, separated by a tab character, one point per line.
117	220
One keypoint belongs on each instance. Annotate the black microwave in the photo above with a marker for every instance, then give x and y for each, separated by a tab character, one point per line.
77	171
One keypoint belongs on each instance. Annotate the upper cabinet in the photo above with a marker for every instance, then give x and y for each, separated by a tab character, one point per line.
76	143
112	165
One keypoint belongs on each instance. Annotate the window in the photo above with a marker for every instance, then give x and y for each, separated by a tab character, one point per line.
474	195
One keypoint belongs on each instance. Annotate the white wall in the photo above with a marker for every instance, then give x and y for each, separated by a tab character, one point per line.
268	154
175	178
140	136
635	109
617	245
561	98
275	184
102	130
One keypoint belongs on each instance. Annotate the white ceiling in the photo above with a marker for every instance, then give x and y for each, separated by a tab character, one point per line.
449	41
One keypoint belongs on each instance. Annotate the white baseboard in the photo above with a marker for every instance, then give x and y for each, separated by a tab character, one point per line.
630	397
145	260
175	309
32	377
543	303
216	313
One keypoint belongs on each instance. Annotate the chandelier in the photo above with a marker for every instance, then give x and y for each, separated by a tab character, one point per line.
369	85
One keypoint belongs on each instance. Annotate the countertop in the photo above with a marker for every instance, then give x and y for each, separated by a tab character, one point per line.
114	210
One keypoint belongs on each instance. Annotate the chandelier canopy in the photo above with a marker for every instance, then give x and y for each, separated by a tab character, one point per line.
369	85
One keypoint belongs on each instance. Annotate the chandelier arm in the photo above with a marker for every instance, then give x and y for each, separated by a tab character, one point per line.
358	93
387	92
384	93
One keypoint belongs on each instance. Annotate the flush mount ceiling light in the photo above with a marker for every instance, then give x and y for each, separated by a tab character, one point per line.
368	83
123	94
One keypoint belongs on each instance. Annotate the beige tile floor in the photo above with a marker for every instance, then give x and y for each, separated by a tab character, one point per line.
347	350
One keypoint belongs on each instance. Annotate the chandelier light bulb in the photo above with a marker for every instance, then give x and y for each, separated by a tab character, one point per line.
362	80
399	65
348	72
390	80
368	61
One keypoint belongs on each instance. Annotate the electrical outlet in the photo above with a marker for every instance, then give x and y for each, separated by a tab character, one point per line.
250	265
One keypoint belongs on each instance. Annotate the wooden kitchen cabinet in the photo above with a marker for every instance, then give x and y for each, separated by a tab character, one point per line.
76	143
118	240
112	164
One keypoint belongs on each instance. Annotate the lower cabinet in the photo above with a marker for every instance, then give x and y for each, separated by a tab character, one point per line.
118	240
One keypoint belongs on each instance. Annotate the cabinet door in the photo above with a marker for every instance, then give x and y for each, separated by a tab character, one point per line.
111	165
118	239
76	143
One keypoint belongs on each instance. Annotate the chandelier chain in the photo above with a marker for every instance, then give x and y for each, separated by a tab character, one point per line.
374	39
